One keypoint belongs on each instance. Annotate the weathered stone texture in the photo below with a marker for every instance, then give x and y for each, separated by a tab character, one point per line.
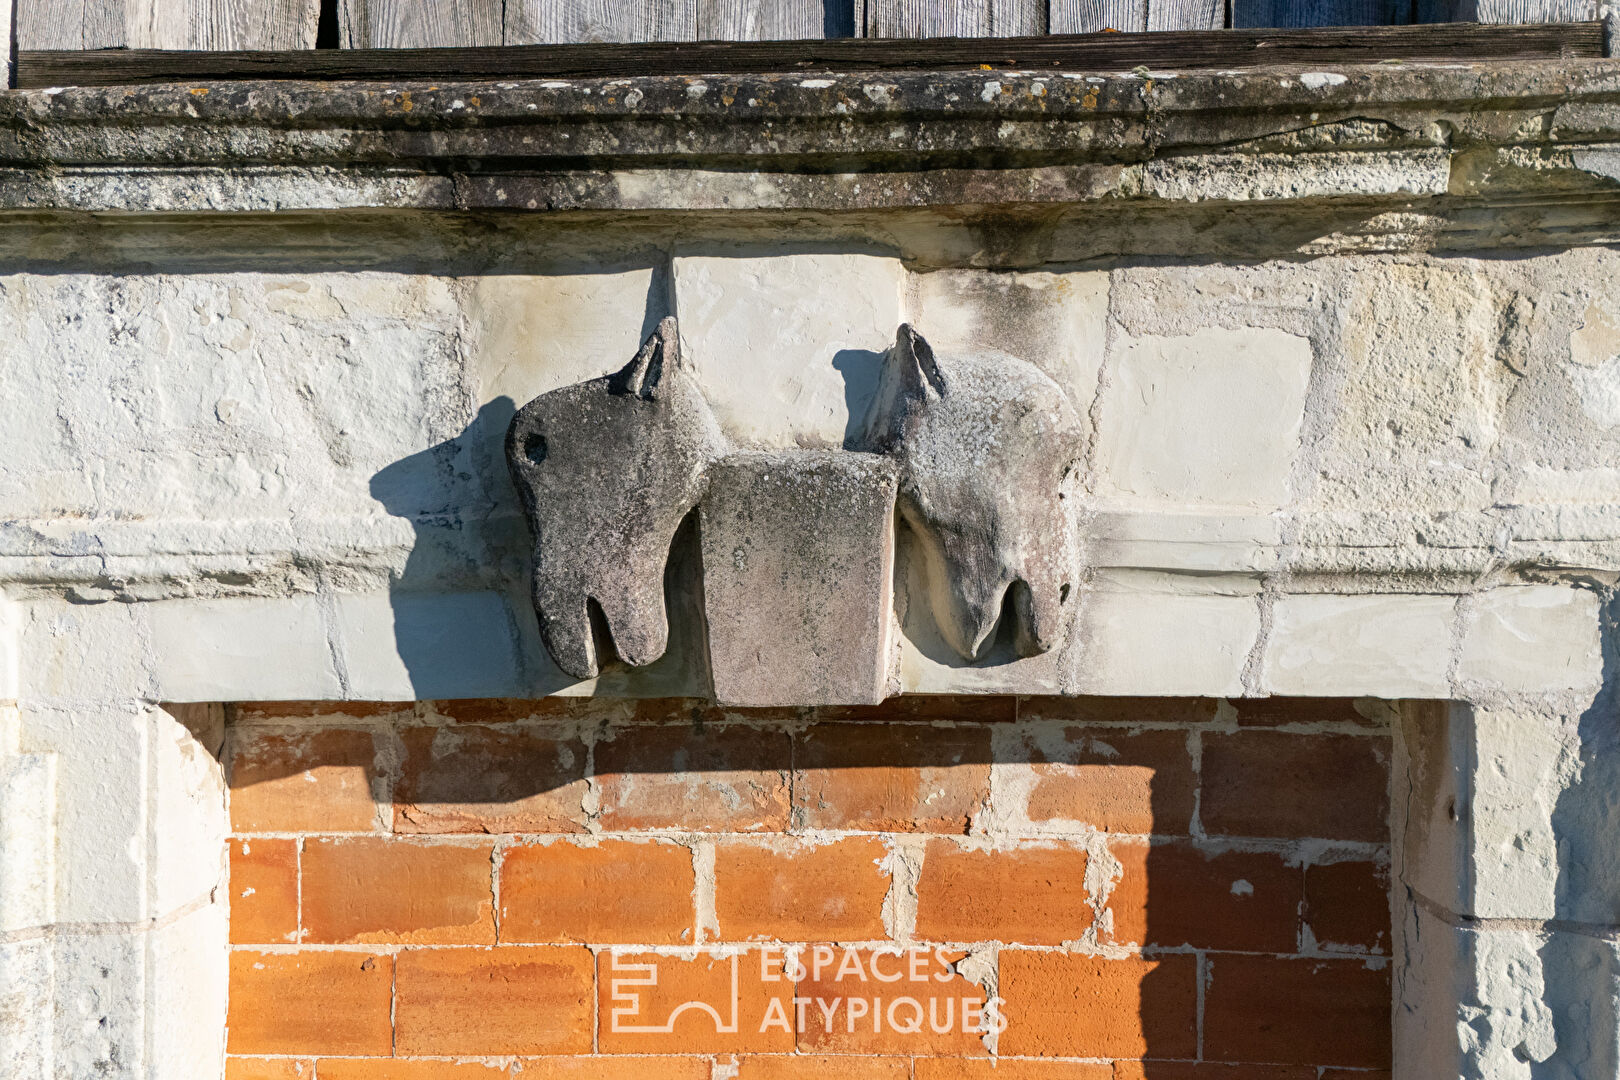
798	555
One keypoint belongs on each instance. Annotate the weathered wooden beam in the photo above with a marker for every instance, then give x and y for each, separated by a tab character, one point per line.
1442	42
166	24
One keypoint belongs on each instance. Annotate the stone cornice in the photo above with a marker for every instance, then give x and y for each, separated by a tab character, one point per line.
1390	134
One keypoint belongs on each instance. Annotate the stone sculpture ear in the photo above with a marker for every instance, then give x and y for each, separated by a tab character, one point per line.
661	350
914	361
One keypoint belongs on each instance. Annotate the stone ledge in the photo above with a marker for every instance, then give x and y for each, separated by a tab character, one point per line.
837	142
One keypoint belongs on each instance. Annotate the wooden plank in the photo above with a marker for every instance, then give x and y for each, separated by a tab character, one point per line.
166	24
530	22
1186	15
1093	16
955	18
1306	13
418	24
1440	42
774	20
1527	11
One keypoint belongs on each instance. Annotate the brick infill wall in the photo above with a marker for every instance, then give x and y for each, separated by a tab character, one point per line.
937	889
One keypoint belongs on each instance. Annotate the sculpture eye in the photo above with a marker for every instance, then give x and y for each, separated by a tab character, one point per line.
534	448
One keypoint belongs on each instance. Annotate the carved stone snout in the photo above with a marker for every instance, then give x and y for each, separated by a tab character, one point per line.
607	469
984	442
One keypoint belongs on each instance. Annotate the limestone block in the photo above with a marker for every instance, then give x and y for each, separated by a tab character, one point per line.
79	652
10	664
103	758
788	347
27	841
27	991
189	820
607	470
1389	646
1160	643
539	332
1536	638
187	998
101	1020
242	649
798	557
404	646
1209	418
1516	768
985	444
1056	321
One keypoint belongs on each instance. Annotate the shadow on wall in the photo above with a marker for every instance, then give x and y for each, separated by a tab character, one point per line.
1251	931
1580	967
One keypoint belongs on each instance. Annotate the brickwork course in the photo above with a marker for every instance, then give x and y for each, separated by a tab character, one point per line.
1114	888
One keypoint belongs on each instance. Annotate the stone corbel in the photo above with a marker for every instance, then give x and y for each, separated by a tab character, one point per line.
971	451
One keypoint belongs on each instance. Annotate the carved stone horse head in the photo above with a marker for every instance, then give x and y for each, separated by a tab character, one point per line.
984	443
607	469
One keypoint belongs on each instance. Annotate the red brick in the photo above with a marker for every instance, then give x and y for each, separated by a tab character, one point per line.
516	999
405	1069
264	891
1173	894
1114	779
1276	784
728	778
376	890
1034	894
309	1003
814	1067
1118	710
468	778
240	1068
706	979
600	1067
1278	711
610	892
1190	1070
302	781
1297	1011
1347	905
789	890
836	976
1010	1069
1069	1005
961	708
892	778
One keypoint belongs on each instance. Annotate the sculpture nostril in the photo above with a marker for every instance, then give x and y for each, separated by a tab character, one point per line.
1063	593
534	448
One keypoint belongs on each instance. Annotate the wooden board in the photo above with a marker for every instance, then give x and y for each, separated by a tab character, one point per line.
1526	11
954	18
1258	13
415	24
774	20
1091	16
530	22
1440	42
166	24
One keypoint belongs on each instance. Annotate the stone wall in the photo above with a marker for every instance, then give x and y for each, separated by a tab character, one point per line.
1128	884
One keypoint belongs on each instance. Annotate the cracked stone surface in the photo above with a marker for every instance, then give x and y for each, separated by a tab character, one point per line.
607	470
984	442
